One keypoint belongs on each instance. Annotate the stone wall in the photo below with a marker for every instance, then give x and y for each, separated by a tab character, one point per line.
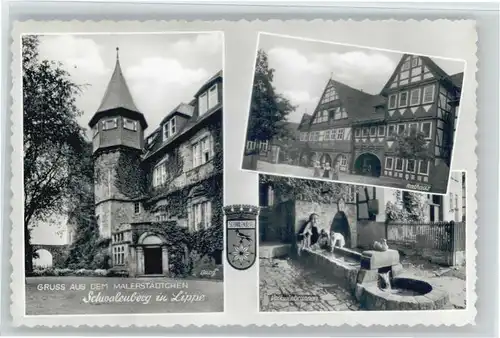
326	213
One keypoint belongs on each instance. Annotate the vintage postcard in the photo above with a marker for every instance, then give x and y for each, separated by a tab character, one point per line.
122	183
352	114
337	247
130	206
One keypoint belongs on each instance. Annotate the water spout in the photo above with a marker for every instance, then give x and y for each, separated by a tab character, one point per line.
386	281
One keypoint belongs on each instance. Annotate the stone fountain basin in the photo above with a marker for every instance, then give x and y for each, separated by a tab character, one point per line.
406	294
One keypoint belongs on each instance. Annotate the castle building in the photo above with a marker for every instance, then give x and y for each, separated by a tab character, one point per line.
358	131
169	182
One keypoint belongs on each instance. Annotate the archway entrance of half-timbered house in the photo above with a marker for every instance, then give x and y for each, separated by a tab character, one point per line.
340	224
368	164
324	159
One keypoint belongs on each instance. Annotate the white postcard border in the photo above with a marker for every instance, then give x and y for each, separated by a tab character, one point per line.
240	307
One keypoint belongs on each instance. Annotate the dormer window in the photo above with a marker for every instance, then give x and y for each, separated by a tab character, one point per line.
202	104
110	124
129	124
213	97
169	128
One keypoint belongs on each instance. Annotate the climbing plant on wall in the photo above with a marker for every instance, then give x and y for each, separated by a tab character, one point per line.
407	207
130	176
307	190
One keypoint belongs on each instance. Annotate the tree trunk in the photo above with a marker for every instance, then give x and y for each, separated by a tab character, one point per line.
28	250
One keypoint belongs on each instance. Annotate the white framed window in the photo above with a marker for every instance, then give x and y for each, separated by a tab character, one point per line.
428	96
316	136
393	101
381	131
357	132
337	114
202	215
160	174
303	136
328	134
373	131
202	152
173	126
166	131
129	124
340	133
413	128
343	161
403	99
321	116
415	97
401	129
333	134
366	132
321	135
389	163
137	207
399	164
202	103
110	124
423	167
343	113
213	96
410	165
391	130
311	136
426	129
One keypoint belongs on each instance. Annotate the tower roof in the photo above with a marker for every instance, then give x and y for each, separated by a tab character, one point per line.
118	96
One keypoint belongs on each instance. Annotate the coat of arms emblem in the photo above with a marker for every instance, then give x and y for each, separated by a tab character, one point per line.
241	230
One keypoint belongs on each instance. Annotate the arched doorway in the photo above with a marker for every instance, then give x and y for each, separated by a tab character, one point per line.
324	159
368	164
154	254
340	224
43	259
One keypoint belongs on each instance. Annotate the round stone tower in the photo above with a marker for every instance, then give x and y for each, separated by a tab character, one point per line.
118	131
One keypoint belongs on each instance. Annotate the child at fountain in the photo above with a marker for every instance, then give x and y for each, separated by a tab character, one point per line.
337	240
308	233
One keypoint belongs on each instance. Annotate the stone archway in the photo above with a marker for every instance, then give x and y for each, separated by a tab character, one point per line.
44	259
325	158
368	164
340	224
152	255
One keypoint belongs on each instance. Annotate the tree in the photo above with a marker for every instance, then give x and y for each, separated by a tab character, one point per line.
268	110
53	141
407	207
412	145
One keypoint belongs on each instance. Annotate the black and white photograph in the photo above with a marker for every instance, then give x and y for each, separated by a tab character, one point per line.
328	246
352	114
123	173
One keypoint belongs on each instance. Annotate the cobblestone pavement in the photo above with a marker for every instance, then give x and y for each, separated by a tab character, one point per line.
289	281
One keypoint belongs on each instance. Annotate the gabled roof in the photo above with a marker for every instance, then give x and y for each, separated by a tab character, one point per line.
183	109
209	82
357	103
186	109
429	63
117	95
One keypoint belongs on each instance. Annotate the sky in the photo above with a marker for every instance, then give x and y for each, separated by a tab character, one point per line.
303	68
161	70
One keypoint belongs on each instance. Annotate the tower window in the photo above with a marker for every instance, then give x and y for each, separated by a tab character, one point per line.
110	124
137	207
129	124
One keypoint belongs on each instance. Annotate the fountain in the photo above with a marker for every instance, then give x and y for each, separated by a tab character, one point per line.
376	279
381	287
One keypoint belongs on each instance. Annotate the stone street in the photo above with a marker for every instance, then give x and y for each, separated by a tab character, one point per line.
283	277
